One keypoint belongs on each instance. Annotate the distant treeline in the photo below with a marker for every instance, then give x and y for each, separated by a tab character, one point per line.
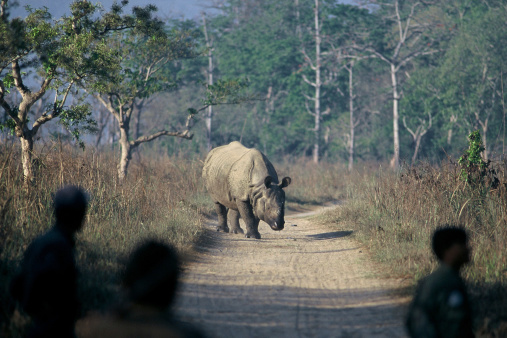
394	81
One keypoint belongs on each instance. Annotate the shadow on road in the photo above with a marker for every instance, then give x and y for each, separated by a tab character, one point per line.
304	312
330	235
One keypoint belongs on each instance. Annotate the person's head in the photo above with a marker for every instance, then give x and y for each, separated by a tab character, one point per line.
450	245
70	204
151	275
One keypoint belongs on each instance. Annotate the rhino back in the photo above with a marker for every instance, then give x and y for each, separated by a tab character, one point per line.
230	170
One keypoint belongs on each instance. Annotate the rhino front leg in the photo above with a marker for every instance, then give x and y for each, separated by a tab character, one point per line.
251	222
222	217
234	221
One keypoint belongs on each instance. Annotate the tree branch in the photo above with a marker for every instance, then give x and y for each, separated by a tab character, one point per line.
66	94
108	105
56	110
413	55
309	82
3	3
308	110
183	134
409	130
5	105
308	59
309	98
18	81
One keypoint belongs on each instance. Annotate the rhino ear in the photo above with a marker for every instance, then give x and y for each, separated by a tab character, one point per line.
267	181
285	182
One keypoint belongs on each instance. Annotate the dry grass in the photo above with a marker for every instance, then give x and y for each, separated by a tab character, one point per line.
311	184
395	215
162	199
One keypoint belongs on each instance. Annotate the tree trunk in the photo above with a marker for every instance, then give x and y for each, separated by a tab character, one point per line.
316	145
298	24
209	115
208	128
352	122
126	153
26	158
485	141
396	128
416	150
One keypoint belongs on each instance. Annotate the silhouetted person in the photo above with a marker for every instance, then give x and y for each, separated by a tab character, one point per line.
440	307
46	286
150	282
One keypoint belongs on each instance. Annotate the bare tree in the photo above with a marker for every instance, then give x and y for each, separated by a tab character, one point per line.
410	41
316	66
209	46
417	135
353	122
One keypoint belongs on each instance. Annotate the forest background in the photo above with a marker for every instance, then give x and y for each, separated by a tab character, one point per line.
449	81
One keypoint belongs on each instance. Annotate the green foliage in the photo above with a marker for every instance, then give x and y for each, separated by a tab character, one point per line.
9	125
474	170
227	92
78	120
72	50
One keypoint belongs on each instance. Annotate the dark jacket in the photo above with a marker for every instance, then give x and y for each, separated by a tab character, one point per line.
46	286
440	307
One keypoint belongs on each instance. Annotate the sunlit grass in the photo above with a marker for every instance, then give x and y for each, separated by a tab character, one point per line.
157	201
394	215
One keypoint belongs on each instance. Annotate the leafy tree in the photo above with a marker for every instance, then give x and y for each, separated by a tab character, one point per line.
63	54
474	170
405	31
472	74
148	67
259	39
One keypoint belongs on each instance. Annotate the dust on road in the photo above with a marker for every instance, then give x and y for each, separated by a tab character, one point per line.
305	281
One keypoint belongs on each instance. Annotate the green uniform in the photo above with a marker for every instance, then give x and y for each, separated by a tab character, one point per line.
440	307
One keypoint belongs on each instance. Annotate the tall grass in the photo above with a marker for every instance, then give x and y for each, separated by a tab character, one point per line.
157	200
311	184
396	214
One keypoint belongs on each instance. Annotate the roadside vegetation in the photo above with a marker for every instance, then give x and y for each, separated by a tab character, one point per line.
164	198
157	202
394	216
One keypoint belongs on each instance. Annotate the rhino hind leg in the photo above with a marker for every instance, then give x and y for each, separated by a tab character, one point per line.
251	222
222	217
234	221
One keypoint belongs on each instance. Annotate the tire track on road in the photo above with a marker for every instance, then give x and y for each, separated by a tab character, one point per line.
305	281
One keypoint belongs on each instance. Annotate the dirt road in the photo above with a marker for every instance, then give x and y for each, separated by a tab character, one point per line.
305	281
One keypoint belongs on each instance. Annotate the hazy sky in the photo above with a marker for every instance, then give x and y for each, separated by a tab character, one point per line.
167	8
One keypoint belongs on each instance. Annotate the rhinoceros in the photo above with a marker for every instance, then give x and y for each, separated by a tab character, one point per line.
242	182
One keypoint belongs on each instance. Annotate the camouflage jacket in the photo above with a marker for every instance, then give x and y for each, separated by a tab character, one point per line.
440	307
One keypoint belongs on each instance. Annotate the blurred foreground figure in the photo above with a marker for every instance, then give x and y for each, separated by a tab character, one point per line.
150	282
46	287
440	307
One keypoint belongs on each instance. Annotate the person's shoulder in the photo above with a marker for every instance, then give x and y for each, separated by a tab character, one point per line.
443	281
52	242
187	330
113	325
